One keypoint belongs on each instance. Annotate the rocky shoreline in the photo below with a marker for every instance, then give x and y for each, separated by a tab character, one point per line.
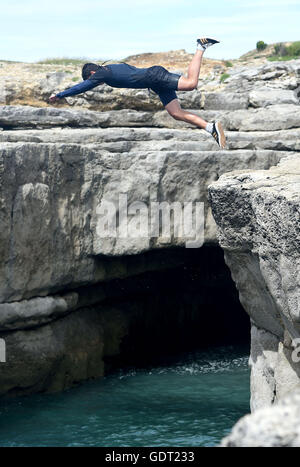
57	164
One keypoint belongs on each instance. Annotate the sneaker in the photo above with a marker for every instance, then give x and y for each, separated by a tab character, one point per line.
206	42
219	135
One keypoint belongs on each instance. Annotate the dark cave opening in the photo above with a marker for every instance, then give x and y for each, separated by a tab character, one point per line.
188	307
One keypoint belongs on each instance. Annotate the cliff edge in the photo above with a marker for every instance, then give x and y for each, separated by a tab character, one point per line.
258	218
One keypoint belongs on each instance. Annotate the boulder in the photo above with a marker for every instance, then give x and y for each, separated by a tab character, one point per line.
275	117
276	426
264	97
225	101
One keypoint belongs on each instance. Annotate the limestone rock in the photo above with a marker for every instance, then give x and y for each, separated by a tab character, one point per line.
264	97
225	101
276	426
51	81
275	117
37	311
258	220
19	116
274	75
161	139
49	201
263	361
55	356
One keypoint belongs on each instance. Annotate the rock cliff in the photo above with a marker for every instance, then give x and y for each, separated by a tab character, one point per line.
258	220
57	165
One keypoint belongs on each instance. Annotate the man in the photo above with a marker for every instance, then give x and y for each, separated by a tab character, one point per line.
157	78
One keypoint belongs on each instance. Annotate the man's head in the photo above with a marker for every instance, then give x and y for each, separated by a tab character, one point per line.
88	69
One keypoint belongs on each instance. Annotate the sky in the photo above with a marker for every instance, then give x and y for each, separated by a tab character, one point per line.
32	30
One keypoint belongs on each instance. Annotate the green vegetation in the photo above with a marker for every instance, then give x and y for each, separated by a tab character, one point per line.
76	78
224	76
283	52
261	45
275	58
280	49
228	63
294	49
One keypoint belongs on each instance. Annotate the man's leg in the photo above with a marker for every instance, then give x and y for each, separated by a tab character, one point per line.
175	110
191	82
215	129
187	84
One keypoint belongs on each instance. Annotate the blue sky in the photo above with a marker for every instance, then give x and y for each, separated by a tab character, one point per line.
113	29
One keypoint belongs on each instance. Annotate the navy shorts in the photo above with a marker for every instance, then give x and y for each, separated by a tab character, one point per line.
163	83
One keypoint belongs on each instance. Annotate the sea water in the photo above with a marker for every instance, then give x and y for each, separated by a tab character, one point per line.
191	400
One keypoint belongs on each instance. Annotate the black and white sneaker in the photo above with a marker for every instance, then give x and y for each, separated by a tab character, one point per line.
218	134
205	42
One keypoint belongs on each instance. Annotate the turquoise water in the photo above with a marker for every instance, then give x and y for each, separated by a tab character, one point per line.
191	401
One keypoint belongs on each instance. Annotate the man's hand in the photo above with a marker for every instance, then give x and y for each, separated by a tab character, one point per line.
53	99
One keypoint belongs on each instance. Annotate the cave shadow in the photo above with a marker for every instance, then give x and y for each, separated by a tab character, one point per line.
185	308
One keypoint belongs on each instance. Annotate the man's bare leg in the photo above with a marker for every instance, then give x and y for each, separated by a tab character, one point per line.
175	110
191	82
215	128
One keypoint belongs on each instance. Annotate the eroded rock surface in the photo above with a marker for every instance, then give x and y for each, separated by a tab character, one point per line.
50	194
258	217
276	426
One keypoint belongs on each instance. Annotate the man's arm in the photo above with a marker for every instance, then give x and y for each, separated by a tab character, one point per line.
77	89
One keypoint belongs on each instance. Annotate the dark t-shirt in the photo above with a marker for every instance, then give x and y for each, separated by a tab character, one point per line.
122	75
